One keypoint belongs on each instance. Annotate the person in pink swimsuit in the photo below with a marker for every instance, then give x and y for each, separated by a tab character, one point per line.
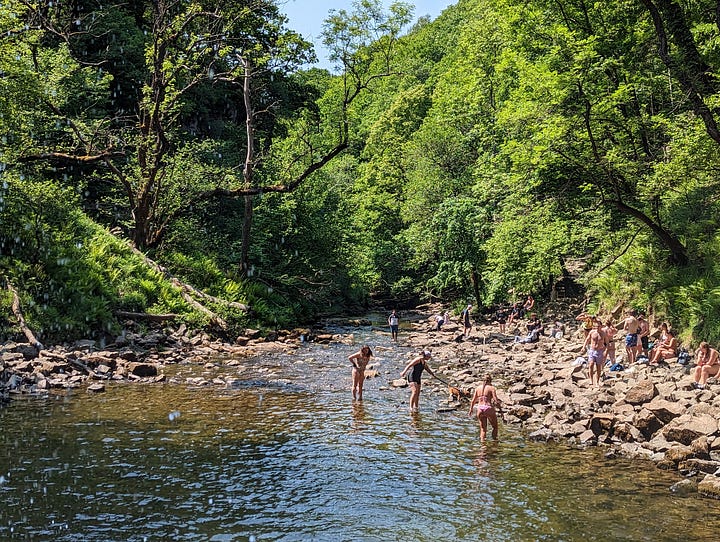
483	406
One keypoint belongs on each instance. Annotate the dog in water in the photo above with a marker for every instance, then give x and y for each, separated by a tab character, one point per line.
458	393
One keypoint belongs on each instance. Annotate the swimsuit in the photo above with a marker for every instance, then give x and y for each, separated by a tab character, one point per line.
361	363
595	355
414	375
631	339
482	407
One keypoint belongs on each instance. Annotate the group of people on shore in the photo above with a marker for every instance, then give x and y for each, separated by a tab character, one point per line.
599	344
601	351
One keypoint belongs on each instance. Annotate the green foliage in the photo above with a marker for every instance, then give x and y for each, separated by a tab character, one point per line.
488	152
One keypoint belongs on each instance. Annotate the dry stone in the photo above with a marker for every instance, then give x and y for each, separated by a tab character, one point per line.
642	392
665	411
687	428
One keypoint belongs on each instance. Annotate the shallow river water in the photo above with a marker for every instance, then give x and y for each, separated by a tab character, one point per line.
284	454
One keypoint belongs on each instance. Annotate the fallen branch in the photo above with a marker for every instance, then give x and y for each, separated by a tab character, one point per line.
17	311
187	291
147	316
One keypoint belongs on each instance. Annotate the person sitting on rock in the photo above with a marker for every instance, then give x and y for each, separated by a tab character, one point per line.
558	330
707	365
535	329
528	305
665	347
515	313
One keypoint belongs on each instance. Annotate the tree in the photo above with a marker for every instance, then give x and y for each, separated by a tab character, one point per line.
148	145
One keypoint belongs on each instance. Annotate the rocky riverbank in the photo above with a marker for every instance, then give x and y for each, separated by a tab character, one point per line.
27	369
650	412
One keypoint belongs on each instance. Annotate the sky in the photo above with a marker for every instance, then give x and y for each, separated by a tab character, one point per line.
307	16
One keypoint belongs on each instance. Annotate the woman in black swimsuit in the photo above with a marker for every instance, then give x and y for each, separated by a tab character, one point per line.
415	368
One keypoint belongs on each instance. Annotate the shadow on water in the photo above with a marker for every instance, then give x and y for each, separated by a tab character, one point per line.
282	453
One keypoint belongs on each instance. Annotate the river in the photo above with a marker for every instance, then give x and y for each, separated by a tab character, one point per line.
284	454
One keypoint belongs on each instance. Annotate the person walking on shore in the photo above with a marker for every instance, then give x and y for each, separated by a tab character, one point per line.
467	323
394	323
359	361
483	405
595	342
414	370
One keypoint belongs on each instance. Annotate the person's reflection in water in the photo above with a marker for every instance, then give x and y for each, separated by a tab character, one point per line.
359	418
485	455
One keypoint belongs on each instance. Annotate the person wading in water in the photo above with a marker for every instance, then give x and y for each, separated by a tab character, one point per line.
414	371
483	406
359	362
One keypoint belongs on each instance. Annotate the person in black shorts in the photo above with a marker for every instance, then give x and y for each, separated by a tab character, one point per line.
414	370
501	317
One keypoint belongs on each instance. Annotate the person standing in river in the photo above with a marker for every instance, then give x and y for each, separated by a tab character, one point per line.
359	361
414	371
483	405
394	323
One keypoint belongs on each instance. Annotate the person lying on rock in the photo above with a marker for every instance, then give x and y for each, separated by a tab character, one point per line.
535	329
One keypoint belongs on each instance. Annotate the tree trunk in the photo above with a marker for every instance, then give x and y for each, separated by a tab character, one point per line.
475	280
20	317
693	74
678	252
247	170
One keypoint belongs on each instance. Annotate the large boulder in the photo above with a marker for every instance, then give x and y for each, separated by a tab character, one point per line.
142	370
687	428
640	393
647	423
665	411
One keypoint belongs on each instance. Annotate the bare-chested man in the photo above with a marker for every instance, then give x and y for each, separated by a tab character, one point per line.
595	342
631	326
